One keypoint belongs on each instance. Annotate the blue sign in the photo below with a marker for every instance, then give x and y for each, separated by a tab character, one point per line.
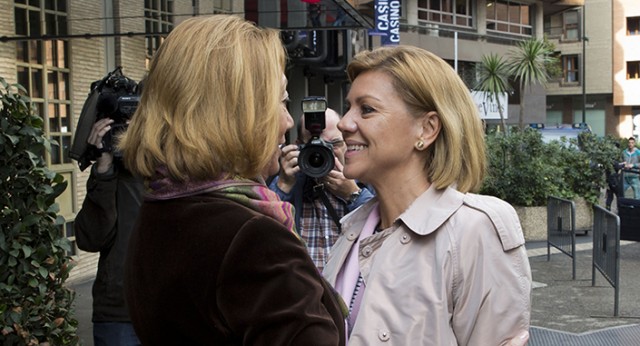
387	21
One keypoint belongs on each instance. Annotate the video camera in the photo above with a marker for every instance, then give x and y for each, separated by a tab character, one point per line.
114	96
316	156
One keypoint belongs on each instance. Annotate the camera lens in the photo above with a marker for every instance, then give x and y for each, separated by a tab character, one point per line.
316	158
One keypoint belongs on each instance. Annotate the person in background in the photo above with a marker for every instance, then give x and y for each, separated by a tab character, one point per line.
215	258
426	261
613	180
319	203
631	163
104	224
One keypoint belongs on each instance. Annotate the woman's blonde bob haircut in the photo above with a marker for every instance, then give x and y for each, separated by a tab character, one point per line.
427	83
210	103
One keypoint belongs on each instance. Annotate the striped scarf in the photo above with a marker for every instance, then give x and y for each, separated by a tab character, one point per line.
253	194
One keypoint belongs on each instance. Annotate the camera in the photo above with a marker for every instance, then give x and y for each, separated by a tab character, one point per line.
316	156
118	101
114	96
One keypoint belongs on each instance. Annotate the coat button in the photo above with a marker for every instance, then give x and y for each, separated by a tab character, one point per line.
367	250
352	236
405	238
383	335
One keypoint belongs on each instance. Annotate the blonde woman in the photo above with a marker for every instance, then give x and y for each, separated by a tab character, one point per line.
426	262
215	259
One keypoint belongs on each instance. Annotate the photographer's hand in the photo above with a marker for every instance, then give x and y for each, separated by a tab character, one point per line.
288	167
338	184
100	128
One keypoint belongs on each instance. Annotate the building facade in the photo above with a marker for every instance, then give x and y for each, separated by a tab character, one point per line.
599	48
57	48
626	67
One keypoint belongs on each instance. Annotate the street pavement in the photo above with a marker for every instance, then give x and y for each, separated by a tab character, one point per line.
565	312
575	312
83	309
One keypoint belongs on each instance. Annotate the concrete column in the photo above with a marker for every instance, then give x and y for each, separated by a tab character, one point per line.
109	42
538	25
411	9
481	17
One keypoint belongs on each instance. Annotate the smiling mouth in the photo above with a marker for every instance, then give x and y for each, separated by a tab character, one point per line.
356	147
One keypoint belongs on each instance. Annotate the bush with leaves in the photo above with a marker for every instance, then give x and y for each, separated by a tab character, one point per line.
35	306
524	171
585	170
519	168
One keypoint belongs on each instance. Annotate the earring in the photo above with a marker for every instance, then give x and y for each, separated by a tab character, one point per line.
420	145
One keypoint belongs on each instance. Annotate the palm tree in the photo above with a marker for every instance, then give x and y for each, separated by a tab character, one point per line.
528	65
493	79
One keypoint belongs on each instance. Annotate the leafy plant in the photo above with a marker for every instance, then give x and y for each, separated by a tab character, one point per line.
519	168
493	78
528	65
35	307
524	171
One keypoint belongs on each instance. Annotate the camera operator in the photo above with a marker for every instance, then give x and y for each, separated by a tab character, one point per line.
319	202
103	225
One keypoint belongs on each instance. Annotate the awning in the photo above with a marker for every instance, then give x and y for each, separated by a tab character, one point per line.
554	6
309	14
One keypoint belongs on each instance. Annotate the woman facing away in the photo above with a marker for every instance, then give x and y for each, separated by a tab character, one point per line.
214	258
426	262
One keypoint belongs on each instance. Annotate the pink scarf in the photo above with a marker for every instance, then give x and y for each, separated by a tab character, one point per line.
350	271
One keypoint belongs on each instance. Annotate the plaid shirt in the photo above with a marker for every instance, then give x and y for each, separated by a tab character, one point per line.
318	229
313	221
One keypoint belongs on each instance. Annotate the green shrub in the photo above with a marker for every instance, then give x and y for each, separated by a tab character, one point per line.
524	171
35	307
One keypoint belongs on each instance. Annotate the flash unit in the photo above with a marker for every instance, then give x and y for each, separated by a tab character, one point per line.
314	104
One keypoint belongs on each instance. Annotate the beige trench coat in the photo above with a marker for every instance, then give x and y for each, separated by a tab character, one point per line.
454	271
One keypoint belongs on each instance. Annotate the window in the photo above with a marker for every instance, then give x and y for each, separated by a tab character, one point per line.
158	15
571	26
633	26
509	17
43	69
452	12
570	69
633	69
222	6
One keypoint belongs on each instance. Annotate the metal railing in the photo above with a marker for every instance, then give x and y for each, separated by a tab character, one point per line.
606	250
561	228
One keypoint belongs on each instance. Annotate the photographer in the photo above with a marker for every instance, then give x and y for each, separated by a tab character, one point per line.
103	225
317	221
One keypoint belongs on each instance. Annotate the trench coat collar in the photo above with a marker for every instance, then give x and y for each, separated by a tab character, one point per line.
426	214
432	209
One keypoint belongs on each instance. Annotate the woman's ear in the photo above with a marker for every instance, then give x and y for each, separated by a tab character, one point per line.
430	128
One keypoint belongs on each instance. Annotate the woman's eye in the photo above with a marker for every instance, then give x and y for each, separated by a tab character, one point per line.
367	109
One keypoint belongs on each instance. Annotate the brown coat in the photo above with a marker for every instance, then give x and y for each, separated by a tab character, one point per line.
204	270
453	271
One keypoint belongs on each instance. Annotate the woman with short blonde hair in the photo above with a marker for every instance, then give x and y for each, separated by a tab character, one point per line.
425	262
215	258
425	82
214	109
